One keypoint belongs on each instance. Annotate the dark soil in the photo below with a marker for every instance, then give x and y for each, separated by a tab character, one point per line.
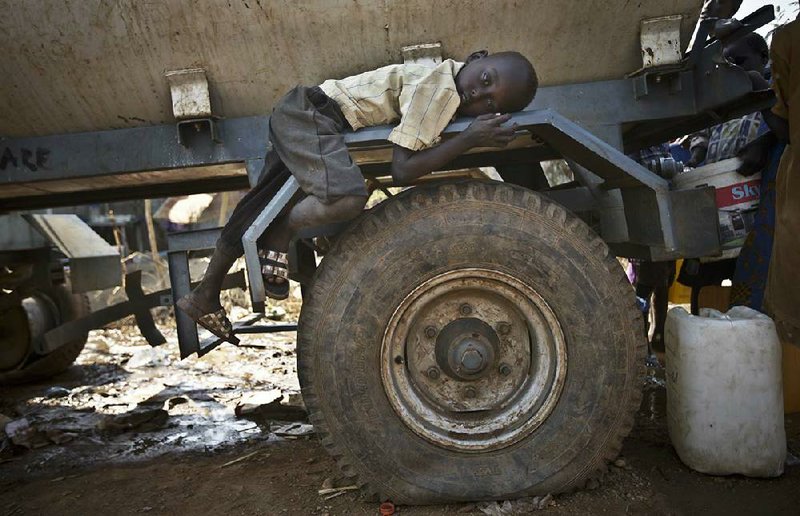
169	470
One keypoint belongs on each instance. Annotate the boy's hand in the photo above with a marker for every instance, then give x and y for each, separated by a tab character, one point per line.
486	131
755	155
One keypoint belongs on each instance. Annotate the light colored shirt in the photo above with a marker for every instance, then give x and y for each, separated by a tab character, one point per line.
423	99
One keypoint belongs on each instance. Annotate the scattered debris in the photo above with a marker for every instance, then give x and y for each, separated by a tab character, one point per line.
4	420
138	420
496	509
521	506
241	459
177	400
275	410
294	430
276	313
334	495
147	356
56	392
386	509
6	450
57	436
332	490
22	433
252	402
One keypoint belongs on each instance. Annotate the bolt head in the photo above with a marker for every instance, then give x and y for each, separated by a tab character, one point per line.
470	392
503	328
430	332
505	369
465	309
472	360
433	373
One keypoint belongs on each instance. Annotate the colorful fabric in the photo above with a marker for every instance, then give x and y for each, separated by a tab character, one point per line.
423	99
725	140
752	265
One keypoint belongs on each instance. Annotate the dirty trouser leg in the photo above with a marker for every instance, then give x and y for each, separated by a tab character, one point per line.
229	246
252	204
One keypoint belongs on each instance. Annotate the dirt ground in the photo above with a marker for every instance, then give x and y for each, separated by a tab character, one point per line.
130	429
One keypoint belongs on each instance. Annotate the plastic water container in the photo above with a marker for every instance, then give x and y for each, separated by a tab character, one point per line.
724	392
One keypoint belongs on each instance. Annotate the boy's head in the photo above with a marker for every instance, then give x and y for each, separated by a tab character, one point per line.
499	83
750	52
721	8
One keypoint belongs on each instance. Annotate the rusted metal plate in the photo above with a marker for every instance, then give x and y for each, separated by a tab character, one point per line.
155	177
94	264
88	65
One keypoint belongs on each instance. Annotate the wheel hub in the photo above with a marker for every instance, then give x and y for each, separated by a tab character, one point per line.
492	373
465	349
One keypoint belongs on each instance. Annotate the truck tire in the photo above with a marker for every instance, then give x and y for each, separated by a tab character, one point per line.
470	341
39	367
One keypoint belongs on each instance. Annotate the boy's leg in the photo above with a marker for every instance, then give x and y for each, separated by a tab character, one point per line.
310	212
204	298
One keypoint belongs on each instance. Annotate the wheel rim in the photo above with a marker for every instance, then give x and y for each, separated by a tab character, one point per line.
473	360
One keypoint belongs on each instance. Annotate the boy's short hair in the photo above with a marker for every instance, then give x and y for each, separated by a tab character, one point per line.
531	79
757	44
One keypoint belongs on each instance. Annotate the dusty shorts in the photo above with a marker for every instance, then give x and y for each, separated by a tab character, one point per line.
306	131
306	141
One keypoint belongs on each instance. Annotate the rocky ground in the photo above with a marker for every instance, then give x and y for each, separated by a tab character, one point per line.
130	429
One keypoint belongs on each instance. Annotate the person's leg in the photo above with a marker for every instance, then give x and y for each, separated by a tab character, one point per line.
310	212
661	304
204	298
644	292
311	144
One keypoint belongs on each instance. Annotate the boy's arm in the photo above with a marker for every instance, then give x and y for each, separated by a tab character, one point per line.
485	131
778	124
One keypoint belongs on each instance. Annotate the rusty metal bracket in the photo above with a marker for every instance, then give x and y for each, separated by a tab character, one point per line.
138	306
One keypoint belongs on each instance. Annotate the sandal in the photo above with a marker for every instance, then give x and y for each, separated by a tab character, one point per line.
216	322
275	265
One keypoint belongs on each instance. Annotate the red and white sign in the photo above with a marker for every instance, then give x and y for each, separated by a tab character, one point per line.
739	193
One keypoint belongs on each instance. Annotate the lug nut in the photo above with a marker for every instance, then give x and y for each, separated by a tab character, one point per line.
465	309
430	332
470	392
472	360
504	328
505	369
433	373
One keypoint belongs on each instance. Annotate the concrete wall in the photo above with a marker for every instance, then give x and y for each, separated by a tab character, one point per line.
80	65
